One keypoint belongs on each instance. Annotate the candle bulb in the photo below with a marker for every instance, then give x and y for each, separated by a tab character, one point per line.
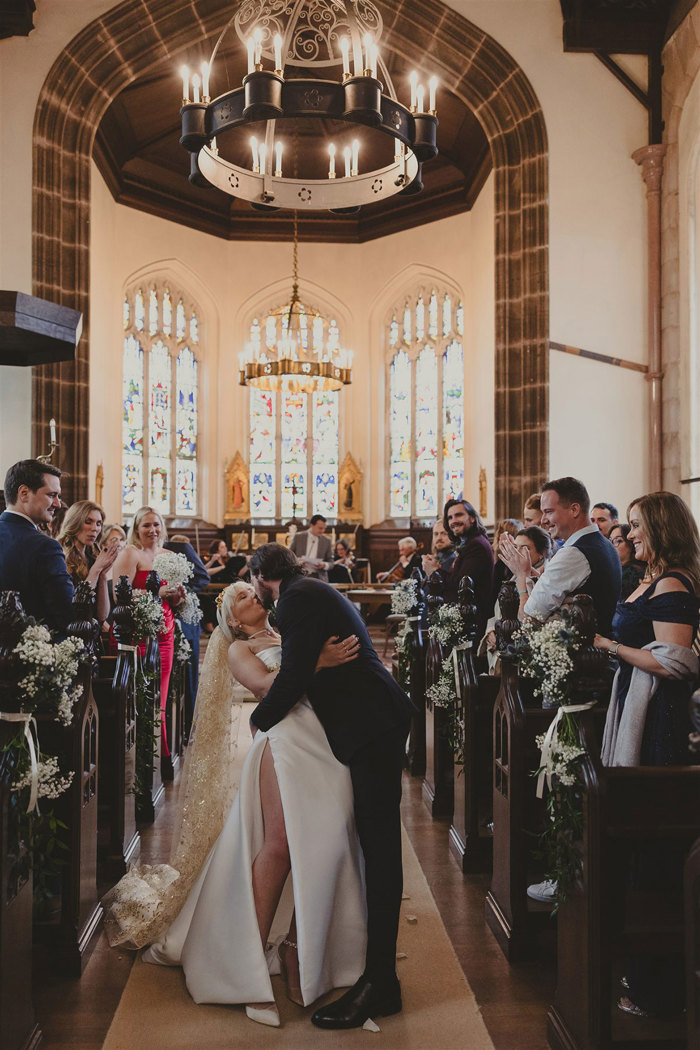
185	74
357	56
346	154
205	81
413	80
52	431
355	156
195	88
278	53
250	44
263	157
373	59
345	51
432	87
368	51
278	162
420	96
257	36
331	163
254	148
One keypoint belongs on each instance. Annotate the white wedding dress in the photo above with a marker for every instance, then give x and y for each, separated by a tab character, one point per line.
215	937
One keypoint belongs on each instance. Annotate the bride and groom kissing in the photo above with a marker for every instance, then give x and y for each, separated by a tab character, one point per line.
305	876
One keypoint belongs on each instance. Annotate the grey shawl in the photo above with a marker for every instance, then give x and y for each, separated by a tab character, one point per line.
622	737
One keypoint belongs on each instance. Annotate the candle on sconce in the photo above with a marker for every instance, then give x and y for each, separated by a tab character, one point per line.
185	74
256	159
257	37
331	162
373	59
263	157
277	41
432	88
205	81
413	81
52	431
420	99
345	52
195	88
278	160
346	155
355	156
368	51
357	56
250	45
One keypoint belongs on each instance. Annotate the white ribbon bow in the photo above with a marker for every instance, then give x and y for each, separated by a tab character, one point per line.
29	721
550	742
130	649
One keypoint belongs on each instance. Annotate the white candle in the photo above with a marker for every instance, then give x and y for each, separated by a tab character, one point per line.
432	87
345	51
205	81
346	154
357	56
420	96
368	51
278	162
278	52
250	44
52	431
373	59
413	80
257	36
185	74
331	163
355	155
254	148
263	157
195	88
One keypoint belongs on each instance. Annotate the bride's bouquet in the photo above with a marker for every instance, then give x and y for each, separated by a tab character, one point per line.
176	569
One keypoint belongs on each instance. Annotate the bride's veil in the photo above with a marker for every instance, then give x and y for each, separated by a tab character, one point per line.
148	898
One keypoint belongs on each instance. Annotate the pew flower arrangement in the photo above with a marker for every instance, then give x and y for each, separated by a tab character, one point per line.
544	652
404	597
176	569
49	680
404	600
149	620
183	649
448	628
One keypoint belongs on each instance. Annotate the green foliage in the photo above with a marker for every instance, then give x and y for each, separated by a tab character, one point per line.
146	722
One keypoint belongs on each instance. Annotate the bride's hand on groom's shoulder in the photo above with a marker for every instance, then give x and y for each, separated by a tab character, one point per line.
337	651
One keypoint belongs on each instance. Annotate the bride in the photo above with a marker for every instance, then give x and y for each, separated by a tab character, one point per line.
204	910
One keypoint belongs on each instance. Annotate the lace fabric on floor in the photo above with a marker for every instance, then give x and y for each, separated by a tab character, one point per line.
148	898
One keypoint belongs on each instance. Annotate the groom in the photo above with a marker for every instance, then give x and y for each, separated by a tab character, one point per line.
366	717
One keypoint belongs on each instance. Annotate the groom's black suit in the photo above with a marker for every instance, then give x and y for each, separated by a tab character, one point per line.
365	714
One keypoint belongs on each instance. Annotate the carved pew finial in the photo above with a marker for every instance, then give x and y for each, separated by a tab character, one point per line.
466	598
84	625
153	583
591	673
122	615
509	602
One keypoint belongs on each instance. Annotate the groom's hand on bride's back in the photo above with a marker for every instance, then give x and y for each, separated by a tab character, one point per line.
337	651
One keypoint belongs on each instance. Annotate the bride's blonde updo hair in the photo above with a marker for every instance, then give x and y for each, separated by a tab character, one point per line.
224	610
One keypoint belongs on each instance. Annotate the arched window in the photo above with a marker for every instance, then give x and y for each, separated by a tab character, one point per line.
294	436
426	403
159	398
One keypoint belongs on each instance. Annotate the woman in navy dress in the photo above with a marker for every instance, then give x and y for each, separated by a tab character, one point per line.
663	608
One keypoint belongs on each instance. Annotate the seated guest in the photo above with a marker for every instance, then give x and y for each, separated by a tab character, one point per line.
474	557
532	512
632	570
409	559
31	562
501	572
313	549
343	564
648	721
80	537
223	566
585	564
442	554
604	515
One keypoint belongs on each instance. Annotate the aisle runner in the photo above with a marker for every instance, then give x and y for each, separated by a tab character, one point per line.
156	1013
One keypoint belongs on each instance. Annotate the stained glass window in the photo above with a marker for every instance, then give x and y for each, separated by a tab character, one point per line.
160	405
296	476
426	405
194	328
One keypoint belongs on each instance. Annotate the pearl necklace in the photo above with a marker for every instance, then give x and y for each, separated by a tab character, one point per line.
265	630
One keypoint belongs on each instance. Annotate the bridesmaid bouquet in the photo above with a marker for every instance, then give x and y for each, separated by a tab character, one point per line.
176	569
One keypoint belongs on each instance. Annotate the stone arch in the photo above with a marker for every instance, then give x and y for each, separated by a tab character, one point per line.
126	41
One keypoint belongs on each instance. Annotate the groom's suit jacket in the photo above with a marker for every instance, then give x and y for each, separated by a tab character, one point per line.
355	703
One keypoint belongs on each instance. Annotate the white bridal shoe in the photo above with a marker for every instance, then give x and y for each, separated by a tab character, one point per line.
264	1013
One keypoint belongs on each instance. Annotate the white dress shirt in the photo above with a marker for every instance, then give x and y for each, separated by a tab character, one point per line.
311	545
21	515
562	576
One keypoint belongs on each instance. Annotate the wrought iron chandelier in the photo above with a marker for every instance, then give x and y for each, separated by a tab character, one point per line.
302	34
296	361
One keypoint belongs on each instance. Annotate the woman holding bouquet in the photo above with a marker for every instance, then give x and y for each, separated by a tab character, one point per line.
144	543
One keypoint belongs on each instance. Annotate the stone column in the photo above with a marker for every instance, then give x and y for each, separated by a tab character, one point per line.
651	161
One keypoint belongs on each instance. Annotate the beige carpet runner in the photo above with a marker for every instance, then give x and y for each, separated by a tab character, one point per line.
440	1012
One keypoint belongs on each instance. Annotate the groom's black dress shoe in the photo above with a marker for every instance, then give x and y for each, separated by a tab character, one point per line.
365	999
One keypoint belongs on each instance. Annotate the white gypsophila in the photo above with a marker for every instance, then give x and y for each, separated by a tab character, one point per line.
442	693
173	568
562	760
402	635
449	624
404	597
51	671
149	619
550	661
183	649
51	782
190	611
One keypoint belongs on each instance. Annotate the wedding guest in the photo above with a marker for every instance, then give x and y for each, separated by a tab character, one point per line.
474	557
532	512
31	562
604	515
343	564
144	543
313	549
223	566
501	572
112	536
585	564
442	554
79	537
409	559
179	544
632	570
648	721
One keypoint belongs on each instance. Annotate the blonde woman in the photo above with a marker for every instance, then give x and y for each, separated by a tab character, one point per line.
203	911
144	543
80	539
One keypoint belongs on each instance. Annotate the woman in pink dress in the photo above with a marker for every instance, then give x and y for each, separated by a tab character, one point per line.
144	543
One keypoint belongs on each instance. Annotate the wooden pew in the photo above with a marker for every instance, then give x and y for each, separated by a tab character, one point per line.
119	842
605	920
438	782
175	712
18	1027
415	753
692	945
518	815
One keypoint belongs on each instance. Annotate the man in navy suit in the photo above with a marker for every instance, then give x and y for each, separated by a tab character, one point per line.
30	561
366	717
